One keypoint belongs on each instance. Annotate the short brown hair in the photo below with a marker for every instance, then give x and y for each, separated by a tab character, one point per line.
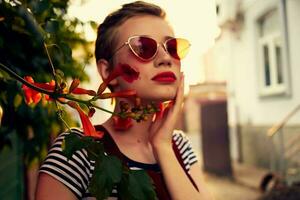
106	36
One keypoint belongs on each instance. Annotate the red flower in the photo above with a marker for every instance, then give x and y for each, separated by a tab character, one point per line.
91	112
33	96
163	107
127	72
52	84
84	91
88	128
102	87
121	124
74	89
74	85
46	86
124	94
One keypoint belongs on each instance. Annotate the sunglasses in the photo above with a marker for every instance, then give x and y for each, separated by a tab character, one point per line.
146	48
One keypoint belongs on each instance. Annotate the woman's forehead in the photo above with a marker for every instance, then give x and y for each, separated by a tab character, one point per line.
152	26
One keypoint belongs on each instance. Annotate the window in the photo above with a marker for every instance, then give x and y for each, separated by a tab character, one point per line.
270	54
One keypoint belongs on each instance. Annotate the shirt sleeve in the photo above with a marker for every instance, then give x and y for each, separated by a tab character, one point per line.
74	173
185	149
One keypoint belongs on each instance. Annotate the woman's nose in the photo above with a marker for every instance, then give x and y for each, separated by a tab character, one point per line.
163	58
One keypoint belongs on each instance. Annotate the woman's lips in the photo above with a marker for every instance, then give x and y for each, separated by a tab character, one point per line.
165	77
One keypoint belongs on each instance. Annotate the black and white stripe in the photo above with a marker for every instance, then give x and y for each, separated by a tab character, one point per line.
185	148
76	172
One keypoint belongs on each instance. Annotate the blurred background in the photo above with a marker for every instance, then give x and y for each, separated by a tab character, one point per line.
242	90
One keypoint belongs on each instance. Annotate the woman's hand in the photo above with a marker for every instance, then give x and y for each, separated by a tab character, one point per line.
162	129
161	132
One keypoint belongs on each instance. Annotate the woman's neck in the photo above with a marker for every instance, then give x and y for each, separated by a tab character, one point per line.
137	133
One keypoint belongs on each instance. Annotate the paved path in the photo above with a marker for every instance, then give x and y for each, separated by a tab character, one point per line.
244	186
226	189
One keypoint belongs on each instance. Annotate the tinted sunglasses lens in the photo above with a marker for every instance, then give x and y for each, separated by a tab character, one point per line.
143	47
178	47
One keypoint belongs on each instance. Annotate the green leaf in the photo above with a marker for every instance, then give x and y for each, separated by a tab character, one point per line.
52	26
21	48
17	100
95	150
31	24
107	173
67	51
73	143
93	24
140	185
39	7
1	42
59	76
123	186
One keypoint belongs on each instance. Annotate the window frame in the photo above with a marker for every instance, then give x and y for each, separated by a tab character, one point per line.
283	89
270	42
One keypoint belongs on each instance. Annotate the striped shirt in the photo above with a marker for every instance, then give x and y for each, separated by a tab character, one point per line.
76	172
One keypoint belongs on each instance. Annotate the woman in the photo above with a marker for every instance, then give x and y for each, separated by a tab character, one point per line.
139	36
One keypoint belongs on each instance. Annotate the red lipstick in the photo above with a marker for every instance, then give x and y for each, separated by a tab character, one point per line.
165	77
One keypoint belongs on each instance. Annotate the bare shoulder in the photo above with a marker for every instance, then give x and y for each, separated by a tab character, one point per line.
49	188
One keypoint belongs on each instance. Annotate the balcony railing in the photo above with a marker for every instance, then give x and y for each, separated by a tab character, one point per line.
285	147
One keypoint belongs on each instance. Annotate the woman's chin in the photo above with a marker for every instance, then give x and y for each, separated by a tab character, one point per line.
160	97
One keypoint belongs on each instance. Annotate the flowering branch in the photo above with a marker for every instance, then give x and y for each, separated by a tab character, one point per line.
22	80
90	142
30	32
59	93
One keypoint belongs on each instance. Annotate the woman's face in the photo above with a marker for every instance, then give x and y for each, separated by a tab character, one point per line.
147	86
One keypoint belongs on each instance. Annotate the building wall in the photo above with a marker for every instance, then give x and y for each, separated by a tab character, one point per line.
253	108
250	115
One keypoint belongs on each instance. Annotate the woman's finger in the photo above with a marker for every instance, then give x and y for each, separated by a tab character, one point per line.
173	113
170	115
179	98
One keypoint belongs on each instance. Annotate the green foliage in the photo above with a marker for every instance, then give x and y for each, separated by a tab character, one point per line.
138	186
24	28
72	143
109	171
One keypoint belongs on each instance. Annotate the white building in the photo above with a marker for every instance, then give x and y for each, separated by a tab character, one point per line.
258	48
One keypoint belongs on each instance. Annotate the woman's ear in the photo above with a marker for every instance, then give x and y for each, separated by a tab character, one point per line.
104	70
